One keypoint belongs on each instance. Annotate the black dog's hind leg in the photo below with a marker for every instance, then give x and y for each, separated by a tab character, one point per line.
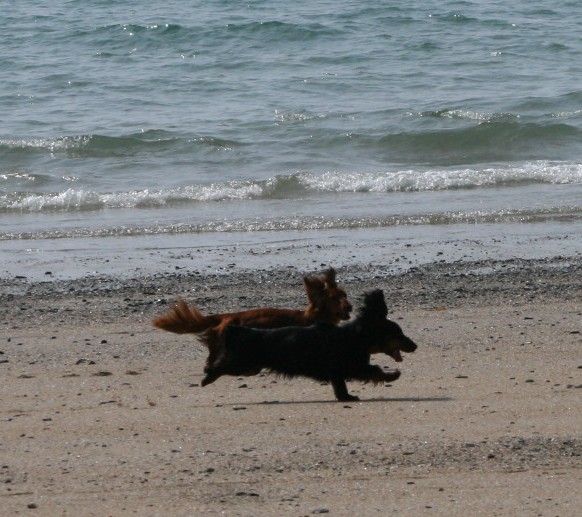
341	390
212	373
213	353
234	365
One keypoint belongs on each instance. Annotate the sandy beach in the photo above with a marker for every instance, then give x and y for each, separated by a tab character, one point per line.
101	414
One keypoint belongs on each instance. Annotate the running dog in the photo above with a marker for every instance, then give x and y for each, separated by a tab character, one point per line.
327	303
325	352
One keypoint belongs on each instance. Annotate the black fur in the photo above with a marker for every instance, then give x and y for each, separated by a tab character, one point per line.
323	351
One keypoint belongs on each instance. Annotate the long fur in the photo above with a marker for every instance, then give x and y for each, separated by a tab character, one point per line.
323	351
326	302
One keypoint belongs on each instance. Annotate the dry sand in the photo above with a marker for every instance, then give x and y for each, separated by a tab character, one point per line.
101	414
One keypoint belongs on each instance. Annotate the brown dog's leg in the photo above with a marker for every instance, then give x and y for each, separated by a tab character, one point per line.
341	390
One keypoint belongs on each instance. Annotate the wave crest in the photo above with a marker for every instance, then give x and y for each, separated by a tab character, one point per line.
298	184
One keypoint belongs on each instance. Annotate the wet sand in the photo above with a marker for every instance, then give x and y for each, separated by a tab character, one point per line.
101	414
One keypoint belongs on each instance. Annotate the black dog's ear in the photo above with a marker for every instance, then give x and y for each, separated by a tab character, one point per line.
374	304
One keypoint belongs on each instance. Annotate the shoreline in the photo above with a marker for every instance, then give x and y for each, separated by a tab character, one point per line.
396	249
438	284
102	414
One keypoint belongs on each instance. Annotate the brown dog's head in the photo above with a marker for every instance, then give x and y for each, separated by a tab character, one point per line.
326	299
388	337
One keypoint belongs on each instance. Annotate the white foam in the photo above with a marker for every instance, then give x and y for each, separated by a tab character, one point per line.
287	186
442	179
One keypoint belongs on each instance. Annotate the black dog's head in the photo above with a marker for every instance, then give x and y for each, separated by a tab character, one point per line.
387	336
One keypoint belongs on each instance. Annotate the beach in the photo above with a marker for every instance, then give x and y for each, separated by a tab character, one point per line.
102	414
219	152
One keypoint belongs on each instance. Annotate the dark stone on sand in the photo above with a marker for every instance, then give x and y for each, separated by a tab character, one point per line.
85	361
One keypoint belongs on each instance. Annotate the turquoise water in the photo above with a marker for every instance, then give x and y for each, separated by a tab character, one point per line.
198	119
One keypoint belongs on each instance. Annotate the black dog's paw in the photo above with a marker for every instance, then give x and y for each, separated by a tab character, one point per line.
208	380
391	376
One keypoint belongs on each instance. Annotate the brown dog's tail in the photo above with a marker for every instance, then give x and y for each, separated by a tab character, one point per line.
182	319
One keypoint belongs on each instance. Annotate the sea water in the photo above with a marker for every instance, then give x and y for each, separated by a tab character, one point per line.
160	129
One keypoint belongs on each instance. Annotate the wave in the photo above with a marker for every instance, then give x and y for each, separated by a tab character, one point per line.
151	141
446	179
496	137
297	184
282	32
113	38
470	137
490	117
461	114
118	39
561	214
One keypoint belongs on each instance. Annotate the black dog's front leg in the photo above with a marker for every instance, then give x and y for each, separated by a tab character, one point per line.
376	375
341	390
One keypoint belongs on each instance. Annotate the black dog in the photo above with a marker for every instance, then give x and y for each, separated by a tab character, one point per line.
322	351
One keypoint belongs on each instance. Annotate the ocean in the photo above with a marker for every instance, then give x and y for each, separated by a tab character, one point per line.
209	136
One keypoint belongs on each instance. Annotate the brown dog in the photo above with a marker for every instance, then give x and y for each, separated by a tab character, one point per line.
328	303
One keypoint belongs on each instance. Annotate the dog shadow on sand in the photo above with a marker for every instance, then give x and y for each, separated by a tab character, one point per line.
373	400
